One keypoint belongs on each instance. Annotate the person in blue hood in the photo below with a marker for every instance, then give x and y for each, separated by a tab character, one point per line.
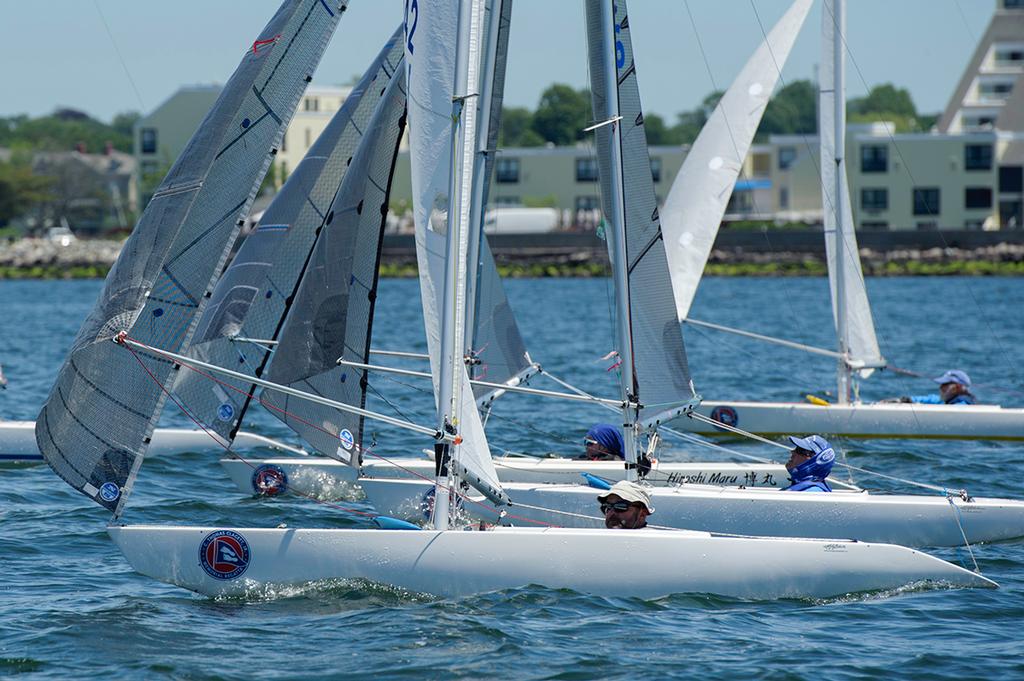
810	463
604	443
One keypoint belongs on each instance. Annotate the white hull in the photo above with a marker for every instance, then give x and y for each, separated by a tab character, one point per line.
645	564
326	478
862	420
18	442
898	519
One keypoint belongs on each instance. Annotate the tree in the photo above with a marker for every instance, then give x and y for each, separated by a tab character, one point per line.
562	114
793	110
656	130
690	123
884	99
516	129
20	190
124	123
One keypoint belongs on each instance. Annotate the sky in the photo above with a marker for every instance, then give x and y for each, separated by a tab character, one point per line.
109	56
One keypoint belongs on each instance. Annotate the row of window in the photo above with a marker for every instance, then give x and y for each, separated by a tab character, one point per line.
874	158
506	170
927	200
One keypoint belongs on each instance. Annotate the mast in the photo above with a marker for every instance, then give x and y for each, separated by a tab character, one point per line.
617	242
839	122
453	308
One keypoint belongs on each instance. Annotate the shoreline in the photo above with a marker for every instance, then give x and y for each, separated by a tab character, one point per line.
92	259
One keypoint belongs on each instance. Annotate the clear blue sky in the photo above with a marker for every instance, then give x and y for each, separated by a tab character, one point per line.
60	52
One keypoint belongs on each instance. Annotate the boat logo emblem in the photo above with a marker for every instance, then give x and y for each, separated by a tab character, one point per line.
269	480
225	412
109	491
725	415
347	439
826	456
224	554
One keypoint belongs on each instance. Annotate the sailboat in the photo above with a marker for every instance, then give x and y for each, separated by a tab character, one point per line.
496	356
949	519
693	212
444	560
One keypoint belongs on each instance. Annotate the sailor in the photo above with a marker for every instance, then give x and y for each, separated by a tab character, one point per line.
604	443
809	464
954	388
625	506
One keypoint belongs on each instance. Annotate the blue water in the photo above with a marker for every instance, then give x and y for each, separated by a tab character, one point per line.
73	608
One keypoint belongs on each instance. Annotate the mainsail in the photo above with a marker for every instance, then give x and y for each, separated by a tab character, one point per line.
96	423
332	314
254	293
430	62
860	327
700	192
494	344
660	377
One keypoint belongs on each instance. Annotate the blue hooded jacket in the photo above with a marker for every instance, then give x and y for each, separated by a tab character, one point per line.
811	474
609	437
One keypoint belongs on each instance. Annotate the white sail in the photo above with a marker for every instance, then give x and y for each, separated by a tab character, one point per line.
696	203
430	63
860	328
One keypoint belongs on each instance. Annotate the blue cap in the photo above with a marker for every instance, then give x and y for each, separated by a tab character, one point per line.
609	437
818	466
954	376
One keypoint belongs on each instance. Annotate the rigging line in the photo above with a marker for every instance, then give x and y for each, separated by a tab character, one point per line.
959	518
1004	353
120	58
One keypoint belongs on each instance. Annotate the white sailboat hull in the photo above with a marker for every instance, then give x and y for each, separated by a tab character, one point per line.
899	519
862	420
18	442
327	478
646	564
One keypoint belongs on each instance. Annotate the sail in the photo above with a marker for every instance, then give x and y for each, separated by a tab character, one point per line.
430	63
863	344
95	425
495	343
700	192
254	293
660	375
332	314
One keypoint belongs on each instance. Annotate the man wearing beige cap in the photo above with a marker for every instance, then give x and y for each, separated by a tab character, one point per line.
625	506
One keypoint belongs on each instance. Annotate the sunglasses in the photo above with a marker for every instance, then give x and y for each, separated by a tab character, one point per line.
590	441
618	507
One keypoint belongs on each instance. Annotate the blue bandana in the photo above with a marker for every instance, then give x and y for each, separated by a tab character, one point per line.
609	437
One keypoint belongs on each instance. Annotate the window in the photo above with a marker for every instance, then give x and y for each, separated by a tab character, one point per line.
874	159
506	201
926	201
587	203
783	197
311	104
656	169
586	170
1009	56
284	141
874	200
1011	179
309	137
927	226
874	224
974	224
506	170
978	157
1010	214
148	140
787	155
1013	4
977	197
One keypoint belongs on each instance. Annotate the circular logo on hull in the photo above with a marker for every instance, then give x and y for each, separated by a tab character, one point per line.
269	480
224	554
726	416
225	412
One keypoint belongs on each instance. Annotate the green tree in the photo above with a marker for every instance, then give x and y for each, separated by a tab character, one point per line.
562	114
20	190
793	110
124	123
690	123
516	129
884	99
656	130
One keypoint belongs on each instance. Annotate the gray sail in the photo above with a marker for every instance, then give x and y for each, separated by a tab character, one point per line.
660	375
333	310
254	293
495	344
95	425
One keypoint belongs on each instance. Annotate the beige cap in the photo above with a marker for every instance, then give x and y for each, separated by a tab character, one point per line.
629	491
